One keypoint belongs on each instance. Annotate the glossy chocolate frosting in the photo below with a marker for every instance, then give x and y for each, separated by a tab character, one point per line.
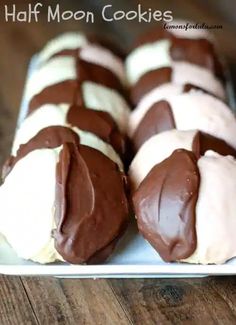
100	123
158	118
91	205
62	92
197	51
165	205
203	142
91	209
148	81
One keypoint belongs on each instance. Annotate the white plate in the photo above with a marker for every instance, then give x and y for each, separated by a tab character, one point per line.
132	258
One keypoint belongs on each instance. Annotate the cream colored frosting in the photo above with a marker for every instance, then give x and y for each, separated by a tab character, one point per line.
105	58
206	113
27	206
215	210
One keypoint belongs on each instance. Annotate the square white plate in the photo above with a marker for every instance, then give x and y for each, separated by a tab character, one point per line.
133	257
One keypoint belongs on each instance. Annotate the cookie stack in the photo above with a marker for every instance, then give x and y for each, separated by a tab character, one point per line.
64	190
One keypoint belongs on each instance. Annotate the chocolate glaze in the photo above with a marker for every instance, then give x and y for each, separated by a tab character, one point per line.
148	82
197	51
158	118
63	92
100	123
203	142
91	210
165	205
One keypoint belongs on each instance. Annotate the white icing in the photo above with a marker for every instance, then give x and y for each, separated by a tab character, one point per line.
200	111
27	206
155	150
215	210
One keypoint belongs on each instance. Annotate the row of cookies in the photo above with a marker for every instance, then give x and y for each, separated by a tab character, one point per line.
184	135
64	191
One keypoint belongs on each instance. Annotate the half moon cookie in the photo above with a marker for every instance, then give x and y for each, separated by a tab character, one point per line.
186	111
159	53
73	205
185	207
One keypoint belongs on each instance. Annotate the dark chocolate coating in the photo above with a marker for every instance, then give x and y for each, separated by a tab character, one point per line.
165	205
203	142
63	92
91	205
147	82
158	118
99	123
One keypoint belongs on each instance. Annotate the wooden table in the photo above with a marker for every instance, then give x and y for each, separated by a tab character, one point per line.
44	300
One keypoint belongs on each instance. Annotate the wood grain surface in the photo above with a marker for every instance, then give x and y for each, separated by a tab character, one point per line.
44	300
